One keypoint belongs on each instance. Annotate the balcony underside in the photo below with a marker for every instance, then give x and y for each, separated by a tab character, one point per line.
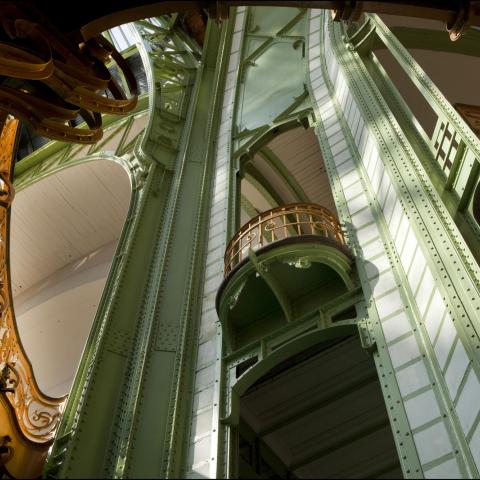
281	283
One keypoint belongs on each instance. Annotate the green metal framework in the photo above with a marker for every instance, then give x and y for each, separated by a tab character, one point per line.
140	404
427	219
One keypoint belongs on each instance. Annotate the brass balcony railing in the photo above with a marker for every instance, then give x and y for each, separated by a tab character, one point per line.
294	220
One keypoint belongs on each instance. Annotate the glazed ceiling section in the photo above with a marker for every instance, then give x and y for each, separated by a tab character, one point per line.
269	82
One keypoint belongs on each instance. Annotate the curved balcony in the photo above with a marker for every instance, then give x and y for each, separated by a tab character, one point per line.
281	223
280	266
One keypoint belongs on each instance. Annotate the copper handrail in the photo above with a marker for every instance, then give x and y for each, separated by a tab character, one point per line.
297	219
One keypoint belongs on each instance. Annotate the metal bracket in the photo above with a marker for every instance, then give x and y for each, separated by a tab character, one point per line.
272	282
368	342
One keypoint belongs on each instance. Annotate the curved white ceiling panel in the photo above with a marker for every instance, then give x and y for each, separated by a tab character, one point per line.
64	230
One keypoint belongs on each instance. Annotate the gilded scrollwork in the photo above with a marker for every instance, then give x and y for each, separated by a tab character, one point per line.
37	415
270	226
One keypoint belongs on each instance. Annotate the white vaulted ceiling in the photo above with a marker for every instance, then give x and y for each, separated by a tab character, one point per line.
300	152
64	231
64	217
295	165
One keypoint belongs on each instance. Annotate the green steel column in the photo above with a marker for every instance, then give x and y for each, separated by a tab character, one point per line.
425	289
128	415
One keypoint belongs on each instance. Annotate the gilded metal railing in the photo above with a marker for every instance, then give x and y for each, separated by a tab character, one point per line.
292	220
37	415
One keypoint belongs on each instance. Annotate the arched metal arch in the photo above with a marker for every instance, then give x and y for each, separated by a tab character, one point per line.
50	163
254	146
268	133
125	163
234	388
290	349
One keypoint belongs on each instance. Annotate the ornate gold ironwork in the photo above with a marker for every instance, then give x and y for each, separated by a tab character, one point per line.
37	415
298	219
52	80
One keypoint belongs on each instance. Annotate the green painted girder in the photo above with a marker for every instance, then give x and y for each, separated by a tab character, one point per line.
314	320
250	59
428	220
436	40
261	356
263	96
302	100
64	150
274	284
437	211
129	411
42	163
363	38
425	85
422	145
253	140
172	74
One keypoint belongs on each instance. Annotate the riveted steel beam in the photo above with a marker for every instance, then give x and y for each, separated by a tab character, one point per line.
130	406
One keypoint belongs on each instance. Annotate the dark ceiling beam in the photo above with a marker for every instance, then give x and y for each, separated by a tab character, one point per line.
350	436
384	469
263	451
341	391
93	17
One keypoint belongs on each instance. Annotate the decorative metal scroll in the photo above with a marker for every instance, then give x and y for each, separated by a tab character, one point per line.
281	223
51	81
37	415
